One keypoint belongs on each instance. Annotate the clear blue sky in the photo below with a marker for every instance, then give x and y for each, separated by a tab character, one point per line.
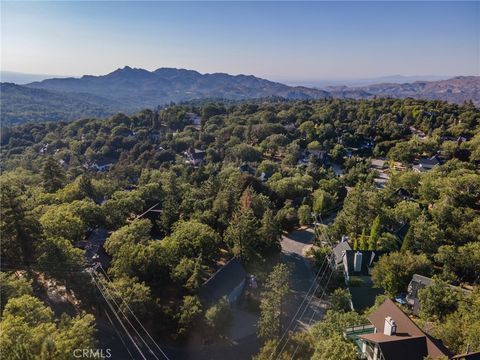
277	40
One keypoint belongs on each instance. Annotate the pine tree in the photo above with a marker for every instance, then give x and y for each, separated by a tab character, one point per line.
195	280
363	241
407	241
19	229
277	287
53	175
269	232
170	206
242	234
86	187
374	234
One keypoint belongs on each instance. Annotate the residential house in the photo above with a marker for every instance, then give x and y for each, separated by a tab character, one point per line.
381	180
419	282
404	194
93	246
427	164
63	163
339	252
356	266
419	133
43	149
246	168
103	164
392	335
379	165
194	157
319	156
290	126
228	281
194	119
397	166
360	262
264	176
367	144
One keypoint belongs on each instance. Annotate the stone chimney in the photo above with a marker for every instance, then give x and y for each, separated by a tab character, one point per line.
390	327
357	262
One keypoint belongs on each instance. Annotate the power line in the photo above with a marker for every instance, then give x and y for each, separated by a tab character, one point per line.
325	236
298	309
36	268
314	313
118	317
305	309
128	320
119	335
131	311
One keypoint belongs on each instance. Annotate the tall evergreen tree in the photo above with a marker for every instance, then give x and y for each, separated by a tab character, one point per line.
86	187
170	205
242	234
19	229
363	241
277	287
374	234
407	241
269	232
53	175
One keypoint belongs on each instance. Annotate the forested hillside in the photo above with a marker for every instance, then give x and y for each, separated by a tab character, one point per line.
225	180
21	105
130	90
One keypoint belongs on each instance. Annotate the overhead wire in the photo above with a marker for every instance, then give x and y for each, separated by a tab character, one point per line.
133	314
119	335
328	241
118	317
128	320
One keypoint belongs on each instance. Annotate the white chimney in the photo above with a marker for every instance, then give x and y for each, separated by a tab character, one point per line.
390	326
357	262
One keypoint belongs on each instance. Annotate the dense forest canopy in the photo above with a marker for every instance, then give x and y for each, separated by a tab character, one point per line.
226	179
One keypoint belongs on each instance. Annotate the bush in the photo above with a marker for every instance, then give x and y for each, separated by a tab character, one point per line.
341	299
287	217
219	316
304	215
319	255
355	281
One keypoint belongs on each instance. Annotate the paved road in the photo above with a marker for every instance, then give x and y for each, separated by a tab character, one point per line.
242	342
294	246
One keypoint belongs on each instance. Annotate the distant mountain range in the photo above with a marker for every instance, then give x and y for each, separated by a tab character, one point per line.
454	90
130	89
137	88
355	82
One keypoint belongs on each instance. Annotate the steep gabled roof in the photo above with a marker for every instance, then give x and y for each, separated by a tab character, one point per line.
223	282
339	250
426	281
399	347
369	257
405	328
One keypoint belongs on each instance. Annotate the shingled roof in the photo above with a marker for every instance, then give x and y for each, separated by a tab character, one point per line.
399	347
223	282
409	341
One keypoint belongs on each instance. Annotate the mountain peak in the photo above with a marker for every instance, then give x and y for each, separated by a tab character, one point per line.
129	72
174	72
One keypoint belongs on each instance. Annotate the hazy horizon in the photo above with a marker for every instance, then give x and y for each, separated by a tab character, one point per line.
286	42
26	78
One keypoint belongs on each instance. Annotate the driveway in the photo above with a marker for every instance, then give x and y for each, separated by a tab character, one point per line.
294	247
